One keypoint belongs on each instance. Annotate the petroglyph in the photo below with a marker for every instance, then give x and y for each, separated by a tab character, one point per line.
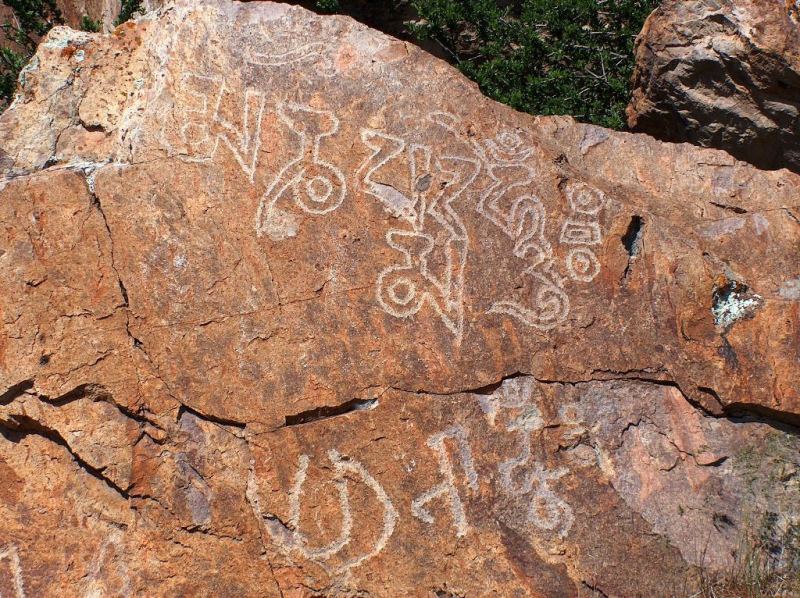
548	511
9	553
305	53
346	470
512	393
580	233
211	114
582	264
522	475
315	185
447	488
420	188
510	204
582	229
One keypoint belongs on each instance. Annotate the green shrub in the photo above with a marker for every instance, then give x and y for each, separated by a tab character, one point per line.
32	19
327	5
89	24
128	10
542	56
11	64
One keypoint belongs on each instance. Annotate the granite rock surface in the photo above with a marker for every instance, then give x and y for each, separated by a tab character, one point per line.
288	308
722	74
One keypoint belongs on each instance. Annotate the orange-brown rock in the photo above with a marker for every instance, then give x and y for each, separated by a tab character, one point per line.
290	309
722	74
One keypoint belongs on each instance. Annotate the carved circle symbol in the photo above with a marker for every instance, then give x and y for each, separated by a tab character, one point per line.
582	264
321	193
402	291
544	512
319	189
585	199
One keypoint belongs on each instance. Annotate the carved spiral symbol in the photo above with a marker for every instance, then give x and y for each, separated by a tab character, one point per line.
553	305
547	511
402	291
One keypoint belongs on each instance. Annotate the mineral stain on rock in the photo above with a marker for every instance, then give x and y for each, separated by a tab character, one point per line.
320	319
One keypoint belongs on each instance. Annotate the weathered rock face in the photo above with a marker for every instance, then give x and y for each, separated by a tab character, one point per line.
723	74
290	309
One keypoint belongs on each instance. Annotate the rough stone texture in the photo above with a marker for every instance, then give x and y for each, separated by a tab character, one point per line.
289	308
723	74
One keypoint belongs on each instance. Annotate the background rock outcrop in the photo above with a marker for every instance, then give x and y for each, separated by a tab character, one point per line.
723	74
289	308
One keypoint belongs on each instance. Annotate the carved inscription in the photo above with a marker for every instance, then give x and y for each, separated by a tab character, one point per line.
447	488
522	475
305	53
214	115
434	245
290	538
424	190
315	185
529	484
582	230
510	204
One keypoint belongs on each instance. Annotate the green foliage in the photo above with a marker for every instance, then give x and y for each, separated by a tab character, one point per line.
328	5
11	64
542	56
31	19
89	24
128	10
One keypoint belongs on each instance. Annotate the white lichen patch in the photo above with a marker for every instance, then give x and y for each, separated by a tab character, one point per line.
61	37
732	303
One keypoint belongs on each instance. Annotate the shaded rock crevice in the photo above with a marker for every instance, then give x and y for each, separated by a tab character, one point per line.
17	426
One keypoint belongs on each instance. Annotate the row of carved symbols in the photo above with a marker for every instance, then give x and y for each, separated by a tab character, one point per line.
510	204
520	476
290	539
582	229
10	554
419	189
315	185
547	510
210	113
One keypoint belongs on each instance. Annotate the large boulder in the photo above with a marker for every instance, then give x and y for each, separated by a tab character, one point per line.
289	308
723	74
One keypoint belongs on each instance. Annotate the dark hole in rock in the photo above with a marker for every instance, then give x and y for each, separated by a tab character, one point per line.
632	238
